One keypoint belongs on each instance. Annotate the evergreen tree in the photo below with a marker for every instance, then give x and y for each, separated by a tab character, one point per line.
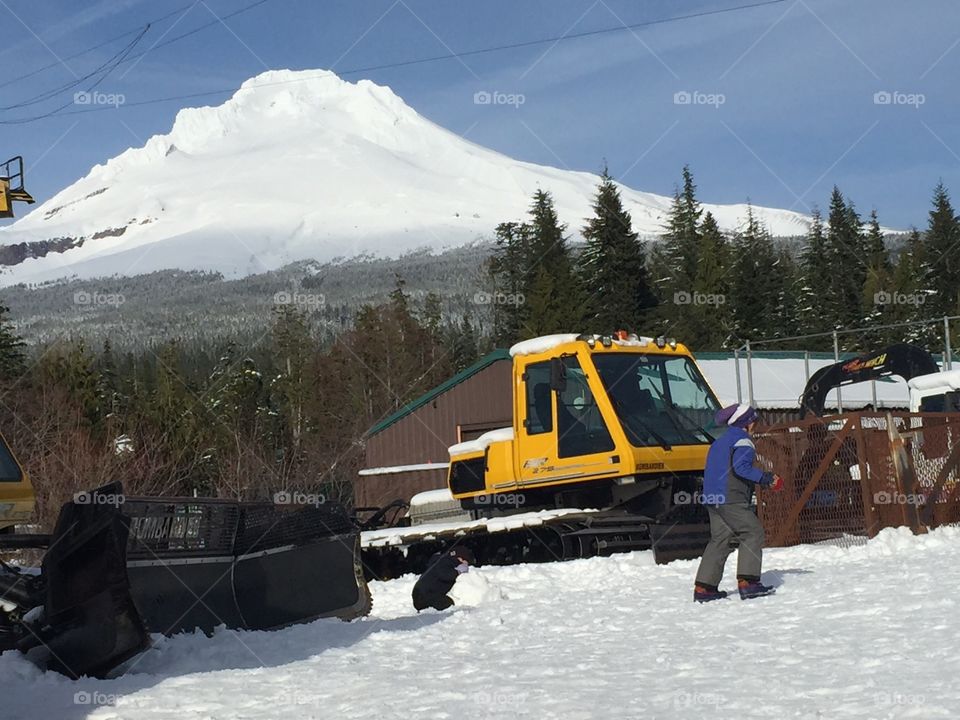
675	259
812	288
612	266
533	265
942	241
878	285
756	283
910	280
847	264
508	270
709	307
12	359
291	349
788	272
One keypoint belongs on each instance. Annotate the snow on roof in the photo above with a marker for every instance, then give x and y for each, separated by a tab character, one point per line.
430	497
935	381
483	442
778	383
537	345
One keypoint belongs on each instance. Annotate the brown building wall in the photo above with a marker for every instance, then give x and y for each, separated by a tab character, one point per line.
481	402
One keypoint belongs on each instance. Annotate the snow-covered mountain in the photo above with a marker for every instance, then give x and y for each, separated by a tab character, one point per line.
299	165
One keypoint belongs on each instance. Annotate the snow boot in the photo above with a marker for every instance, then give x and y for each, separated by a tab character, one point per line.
754	589
702	593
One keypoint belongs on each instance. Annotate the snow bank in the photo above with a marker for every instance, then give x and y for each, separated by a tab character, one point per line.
853	633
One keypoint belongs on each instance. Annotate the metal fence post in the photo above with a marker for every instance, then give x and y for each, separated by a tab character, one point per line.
736	360
947	354
836	358
749	373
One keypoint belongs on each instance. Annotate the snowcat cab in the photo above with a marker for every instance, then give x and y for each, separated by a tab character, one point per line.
598	422
11	186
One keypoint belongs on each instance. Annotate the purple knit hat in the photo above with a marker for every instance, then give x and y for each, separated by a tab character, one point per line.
736	415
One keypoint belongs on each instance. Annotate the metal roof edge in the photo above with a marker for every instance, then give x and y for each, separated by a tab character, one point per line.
413	405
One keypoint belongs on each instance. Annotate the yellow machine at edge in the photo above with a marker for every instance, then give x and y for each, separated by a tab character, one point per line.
16	493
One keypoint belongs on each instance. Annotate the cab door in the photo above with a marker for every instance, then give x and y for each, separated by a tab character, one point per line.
565	437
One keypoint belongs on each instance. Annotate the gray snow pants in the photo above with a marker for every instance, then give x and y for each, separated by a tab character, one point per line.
729	522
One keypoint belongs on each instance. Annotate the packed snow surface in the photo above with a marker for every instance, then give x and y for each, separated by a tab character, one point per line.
303	165
863	632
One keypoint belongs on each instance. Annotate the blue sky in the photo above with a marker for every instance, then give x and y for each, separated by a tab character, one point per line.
782	97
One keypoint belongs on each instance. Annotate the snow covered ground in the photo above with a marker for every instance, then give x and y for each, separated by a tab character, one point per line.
862	632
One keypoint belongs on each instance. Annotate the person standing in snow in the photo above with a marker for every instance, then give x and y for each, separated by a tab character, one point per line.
442	572
728	483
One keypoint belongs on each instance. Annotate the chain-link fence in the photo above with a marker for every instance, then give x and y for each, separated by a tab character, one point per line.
849	476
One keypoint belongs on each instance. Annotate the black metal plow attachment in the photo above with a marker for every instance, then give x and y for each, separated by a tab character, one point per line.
118	569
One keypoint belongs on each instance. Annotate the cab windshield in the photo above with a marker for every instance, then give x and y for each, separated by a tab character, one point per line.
660	399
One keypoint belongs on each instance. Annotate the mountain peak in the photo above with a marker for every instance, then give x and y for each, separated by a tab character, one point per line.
301	165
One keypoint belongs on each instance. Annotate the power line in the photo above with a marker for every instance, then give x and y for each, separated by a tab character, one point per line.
111	63
80	53
217	20
106	69
434	58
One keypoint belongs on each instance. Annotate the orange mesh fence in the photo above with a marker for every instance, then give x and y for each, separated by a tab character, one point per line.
848	476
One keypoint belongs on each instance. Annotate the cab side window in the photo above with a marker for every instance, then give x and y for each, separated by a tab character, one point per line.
539	399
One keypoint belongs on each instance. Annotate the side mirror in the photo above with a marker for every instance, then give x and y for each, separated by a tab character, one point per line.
558	375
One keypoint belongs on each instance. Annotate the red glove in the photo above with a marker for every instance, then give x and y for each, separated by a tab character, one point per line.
777	484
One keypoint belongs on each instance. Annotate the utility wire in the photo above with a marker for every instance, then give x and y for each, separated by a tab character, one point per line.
80	53
120	57
419	61
111	63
